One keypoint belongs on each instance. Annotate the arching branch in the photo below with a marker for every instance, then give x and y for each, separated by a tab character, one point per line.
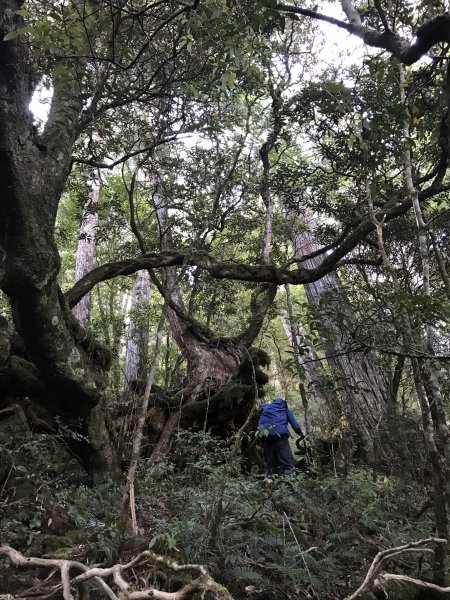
217	269
242	272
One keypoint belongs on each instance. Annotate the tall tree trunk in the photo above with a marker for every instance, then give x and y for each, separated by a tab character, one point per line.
363	390
325	401
264	153
138	333
86	246
441	264
439	478
118	307
305	360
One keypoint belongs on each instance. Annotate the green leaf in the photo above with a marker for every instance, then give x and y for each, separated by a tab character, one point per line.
11	35
258	22
228	79
26	29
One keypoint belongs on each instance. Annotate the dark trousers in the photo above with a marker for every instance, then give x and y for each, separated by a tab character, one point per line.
278	455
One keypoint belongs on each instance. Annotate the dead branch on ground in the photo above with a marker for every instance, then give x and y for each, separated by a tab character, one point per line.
374	577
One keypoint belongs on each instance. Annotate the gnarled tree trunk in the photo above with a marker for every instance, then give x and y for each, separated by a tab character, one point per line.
222	372
33	174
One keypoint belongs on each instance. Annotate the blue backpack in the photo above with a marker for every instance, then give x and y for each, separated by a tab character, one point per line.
274	418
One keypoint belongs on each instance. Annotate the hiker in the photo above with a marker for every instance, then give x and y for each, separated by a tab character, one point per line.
275	419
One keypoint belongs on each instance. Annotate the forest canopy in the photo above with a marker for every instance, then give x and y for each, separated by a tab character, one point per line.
205	205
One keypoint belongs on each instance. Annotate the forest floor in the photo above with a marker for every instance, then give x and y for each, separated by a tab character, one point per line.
313	536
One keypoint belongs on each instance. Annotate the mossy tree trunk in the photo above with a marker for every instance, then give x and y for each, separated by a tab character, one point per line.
33	173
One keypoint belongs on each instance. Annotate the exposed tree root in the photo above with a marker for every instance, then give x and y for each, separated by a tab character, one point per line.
376	579
118	587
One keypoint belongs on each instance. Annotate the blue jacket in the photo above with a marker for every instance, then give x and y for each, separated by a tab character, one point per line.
275	418
294	423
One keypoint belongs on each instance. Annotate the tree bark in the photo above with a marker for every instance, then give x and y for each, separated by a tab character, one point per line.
86	247
305	360
363	390
138	333
441	264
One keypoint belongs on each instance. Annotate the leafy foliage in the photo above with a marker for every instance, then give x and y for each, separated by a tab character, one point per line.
302	537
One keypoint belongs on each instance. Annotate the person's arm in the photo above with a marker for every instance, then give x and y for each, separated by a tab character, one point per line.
294	423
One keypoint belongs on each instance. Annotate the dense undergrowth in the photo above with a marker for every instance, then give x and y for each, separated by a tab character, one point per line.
306	537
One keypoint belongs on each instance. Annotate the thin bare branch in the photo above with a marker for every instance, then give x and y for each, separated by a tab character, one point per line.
384	555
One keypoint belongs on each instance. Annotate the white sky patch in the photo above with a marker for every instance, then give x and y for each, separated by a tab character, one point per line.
40	104
339	43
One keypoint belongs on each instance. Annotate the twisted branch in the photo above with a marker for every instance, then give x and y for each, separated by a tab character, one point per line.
203	582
